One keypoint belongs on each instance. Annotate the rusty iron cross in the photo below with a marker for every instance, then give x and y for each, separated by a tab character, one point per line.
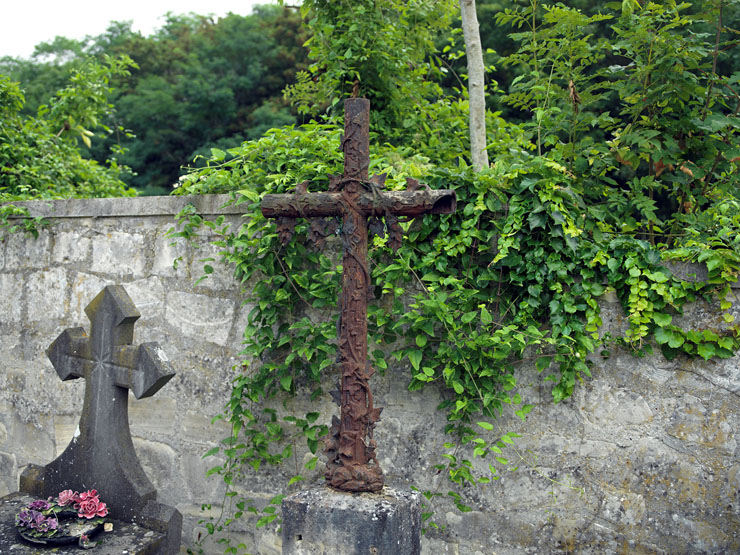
352	464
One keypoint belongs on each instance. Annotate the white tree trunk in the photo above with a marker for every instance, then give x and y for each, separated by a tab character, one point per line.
476	92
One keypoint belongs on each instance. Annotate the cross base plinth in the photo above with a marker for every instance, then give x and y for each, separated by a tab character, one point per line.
354	478
323	520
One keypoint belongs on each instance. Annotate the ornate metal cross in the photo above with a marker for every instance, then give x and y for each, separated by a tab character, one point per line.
352	464
102	456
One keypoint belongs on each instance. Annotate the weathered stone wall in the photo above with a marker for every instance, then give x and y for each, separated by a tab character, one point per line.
642	459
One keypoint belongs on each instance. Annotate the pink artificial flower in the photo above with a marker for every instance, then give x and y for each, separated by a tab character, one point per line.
88	494
67	497
88	505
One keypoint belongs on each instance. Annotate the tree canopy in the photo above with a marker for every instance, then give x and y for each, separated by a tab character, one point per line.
40	154
198	83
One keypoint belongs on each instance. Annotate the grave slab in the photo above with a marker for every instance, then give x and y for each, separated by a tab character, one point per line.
126	537
323	521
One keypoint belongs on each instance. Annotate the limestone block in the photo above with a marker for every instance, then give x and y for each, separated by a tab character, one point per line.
236	342
595	449
202	488
158	461
434	546
118	253
209	544
6	416
702	536
70	247
65	428
25	251
565	530
222	275
84	289
197	427
148	295
270	544
472	528
199	316
170	256
618	408
693	423
11	289
152	415
13	380
8	474
625	508
8	468
45	296
31	442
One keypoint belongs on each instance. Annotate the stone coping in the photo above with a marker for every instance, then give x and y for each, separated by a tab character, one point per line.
215	205
205	205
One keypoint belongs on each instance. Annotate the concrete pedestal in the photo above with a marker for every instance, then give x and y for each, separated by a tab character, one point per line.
323	521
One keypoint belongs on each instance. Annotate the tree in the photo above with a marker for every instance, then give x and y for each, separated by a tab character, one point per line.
201	83
379	49
476	84
40	156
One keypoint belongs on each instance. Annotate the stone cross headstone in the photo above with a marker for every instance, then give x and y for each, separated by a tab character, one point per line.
101	455
352	464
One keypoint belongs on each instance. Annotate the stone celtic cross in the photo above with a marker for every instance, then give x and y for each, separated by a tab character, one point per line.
352	464
101	456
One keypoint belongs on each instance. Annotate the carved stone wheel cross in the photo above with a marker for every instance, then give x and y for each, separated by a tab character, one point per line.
102	456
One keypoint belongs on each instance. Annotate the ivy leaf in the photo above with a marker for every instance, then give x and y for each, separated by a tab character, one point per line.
662	320
542	363
468	317
706	350
676	340
415	358
536	219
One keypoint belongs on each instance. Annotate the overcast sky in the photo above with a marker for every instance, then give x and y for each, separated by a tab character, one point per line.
25	23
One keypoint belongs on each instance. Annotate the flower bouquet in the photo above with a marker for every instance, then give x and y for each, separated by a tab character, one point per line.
71	517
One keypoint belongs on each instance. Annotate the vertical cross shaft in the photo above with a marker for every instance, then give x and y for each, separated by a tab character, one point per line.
348	467
352	464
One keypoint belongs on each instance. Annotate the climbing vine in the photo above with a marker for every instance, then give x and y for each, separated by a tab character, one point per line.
628	162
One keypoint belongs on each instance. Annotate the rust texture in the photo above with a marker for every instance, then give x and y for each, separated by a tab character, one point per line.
360	202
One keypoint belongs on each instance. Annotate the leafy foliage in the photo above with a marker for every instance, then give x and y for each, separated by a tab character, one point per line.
40	156
199	83
394	68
